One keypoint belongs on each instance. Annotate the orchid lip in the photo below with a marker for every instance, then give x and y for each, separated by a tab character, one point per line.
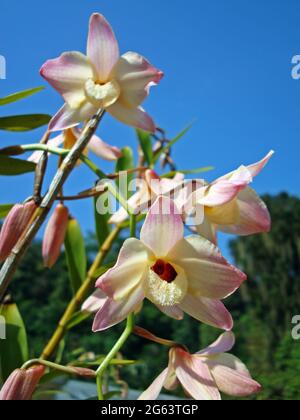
165	271
166	285
102	95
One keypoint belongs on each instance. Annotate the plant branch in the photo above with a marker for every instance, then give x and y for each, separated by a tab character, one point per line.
9	267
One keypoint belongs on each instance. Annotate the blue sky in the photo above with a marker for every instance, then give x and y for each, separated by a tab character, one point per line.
227	65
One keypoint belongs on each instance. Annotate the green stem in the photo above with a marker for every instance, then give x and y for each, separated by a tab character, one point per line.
132	226
120	199
112	354
65	369
124	337
63	152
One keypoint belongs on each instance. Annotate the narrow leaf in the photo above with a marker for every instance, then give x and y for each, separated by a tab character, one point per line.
101	222
24	122
125	163
14	349
77	319
172	143
75	254
20	95
146	146
10	166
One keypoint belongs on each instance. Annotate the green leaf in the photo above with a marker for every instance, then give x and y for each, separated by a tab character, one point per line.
146	145
5	209
172	143
24	122
101	222
189	172
10	166
77	319
14	349
20	95
75	254
124	163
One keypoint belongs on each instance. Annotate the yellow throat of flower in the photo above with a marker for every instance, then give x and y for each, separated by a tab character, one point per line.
102	95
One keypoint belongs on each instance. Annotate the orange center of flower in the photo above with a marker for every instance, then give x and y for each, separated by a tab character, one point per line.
165	271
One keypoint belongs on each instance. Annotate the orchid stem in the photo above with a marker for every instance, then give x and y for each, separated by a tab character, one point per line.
12	262
112	354
63	152
122	340
70	370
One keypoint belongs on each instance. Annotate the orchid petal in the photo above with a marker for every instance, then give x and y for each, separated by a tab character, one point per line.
254	216
135	76
134	117
232	377
128	272
208	230
68	75
104	150
67	117
221	192
121	215
113	312
155	388
209	311
209	274
226	214
172	311
95	302
102	49
195	377
223	344
256	168
163	227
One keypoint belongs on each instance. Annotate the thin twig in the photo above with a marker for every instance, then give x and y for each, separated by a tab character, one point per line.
9	267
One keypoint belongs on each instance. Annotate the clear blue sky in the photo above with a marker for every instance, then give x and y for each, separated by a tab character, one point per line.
227	64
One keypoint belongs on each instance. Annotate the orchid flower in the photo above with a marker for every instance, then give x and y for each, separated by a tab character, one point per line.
177	274
68	139
101	79
231	206
149	188
204	374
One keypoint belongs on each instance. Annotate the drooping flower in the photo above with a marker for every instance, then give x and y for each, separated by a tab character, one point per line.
21	384
231	206
68	139
101	79
13	227
55	235
149	188
205	374
177	274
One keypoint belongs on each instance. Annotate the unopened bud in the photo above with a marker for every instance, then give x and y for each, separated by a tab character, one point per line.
21	384
13	227
55	235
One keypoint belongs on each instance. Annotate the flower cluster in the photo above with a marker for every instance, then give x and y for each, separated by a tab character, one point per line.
181	275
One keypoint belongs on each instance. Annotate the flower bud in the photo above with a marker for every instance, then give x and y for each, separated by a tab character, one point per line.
21	384
54	235
13	227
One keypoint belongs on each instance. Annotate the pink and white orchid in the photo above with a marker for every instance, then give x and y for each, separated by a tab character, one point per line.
231	206
177	274
204	374
148	189
101	79
68	139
